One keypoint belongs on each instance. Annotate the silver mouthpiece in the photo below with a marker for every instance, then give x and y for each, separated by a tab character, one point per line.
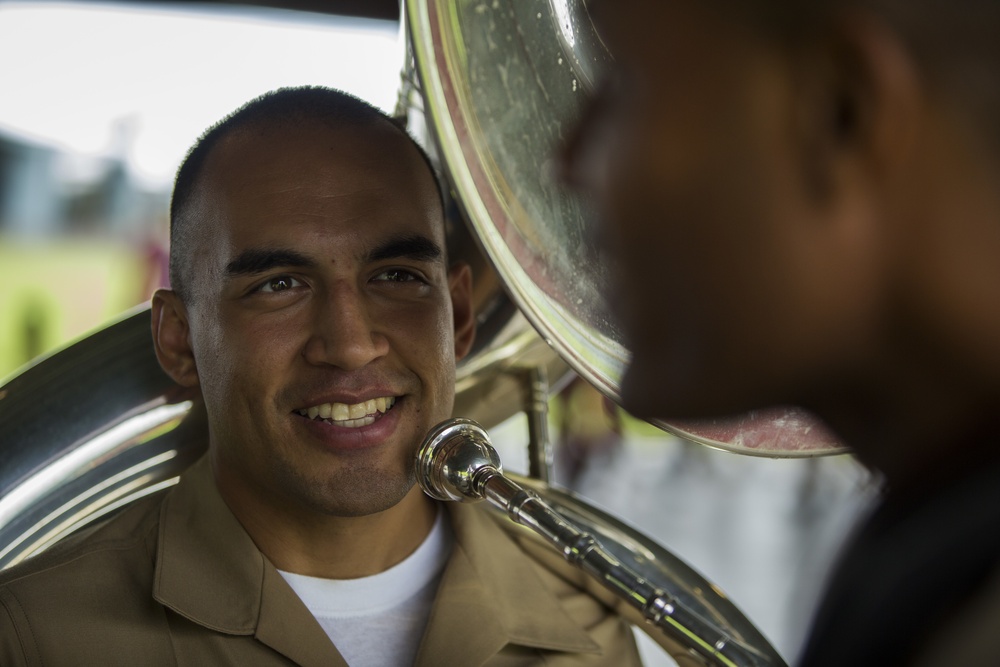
455	460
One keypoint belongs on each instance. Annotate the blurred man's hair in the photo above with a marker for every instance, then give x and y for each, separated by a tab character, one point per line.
954	43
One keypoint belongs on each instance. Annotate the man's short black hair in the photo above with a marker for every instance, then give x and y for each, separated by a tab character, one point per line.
287	106
953	43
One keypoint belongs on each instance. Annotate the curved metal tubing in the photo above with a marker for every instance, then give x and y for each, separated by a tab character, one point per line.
456	462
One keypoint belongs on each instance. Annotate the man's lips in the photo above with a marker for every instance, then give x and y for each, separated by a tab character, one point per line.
350	415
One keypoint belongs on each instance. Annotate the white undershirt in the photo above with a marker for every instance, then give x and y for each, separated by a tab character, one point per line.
378	621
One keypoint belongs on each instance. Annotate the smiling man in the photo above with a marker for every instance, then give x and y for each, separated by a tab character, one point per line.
314	307
802	201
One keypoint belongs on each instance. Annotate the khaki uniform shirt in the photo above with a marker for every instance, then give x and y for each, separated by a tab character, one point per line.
175	580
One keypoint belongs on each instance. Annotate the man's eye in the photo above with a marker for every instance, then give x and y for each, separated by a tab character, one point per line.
279	284
396	276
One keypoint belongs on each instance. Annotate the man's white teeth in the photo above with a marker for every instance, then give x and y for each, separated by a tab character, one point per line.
350	415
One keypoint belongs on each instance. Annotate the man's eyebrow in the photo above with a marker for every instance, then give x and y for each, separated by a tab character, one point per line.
416	247
259	260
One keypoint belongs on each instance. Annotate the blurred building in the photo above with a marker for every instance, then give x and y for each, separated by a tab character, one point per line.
79	244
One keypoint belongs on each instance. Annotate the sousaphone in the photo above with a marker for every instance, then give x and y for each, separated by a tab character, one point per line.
491	87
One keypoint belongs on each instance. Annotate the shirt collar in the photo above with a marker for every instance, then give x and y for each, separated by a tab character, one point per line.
491	595
210	571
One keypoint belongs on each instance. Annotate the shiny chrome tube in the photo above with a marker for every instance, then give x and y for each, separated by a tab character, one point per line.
457	462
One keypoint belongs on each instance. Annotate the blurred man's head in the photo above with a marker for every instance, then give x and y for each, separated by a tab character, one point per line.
798	196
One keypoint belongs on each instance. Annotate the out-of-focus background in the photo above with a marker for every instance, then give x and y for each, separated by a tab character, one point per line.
98	104
765	531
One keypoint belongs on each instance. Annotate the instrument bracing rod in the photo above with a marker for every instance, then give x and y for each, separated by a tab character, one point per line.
456	462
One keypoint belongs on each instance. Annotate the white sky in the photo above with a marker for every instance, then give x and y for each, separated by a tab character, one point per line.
69	72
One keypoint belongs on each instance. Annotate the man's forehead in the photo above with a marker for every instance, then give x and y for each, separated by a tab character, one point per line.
259	182
278	193
264	142
375	130
377	145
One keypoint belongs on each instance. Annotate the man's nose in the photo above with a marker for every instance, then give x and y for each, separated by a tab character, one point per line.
573	154
345	333
567	155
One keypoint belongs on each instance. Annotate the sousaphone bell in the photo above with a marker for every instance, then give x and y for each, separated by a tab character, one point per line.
491	88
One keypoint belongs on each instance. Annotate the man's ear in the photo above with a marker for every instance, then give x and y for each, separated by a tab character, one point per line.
172	339
892	104
460	286
861	100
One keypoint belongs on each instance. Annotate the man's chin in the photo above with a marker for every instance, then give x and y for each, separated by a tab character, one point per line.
648	393
643	393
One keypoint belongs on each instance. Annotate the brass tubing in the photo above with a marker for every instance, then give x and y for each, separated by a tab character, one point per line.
456	462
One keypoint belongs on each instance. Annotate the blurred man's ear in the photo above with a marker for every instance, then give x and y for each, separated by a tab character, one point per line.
171	338
863	99
460	286
894	105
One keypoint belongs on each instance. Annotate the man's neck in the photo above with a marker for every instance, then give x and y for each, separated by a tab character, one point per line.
338	547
